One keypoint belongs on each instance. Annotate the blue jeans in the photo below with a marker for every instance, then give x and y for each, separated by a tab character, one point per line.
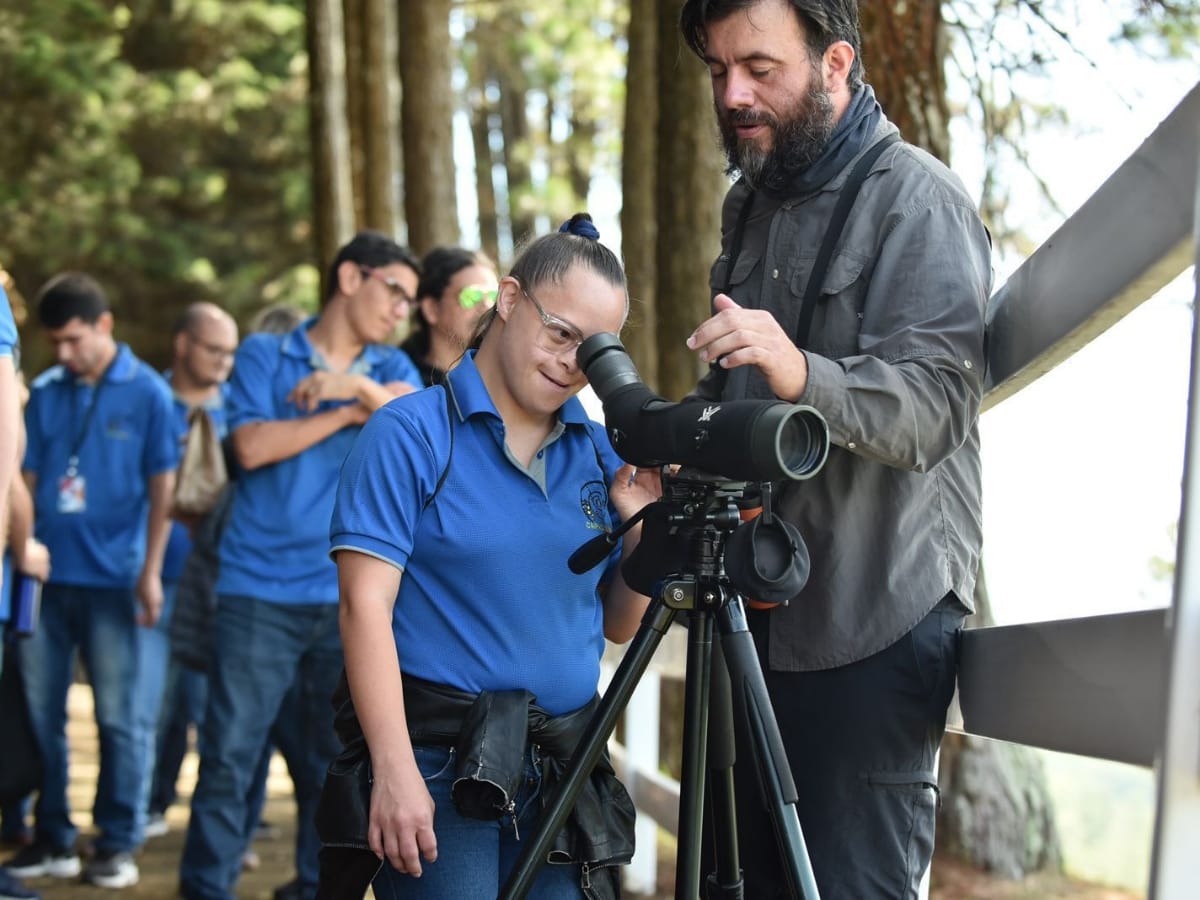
184	698
154	654
101	624
475	857
259	650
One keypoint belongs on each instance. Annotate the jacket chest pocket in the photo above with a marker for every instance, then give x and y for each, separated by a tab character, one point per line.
838	318
732	276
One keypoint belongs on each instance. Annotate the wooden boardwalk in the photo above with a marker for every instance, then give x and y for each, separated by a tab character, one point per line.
159	858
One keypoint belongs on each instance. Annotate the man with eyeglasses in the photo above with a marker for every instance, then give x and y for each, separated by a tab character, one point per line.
203	343
297	401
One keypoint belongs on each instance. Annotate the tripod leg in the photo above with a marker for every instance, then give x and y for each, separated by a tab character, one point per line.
726	882
654	626
749	693
695	737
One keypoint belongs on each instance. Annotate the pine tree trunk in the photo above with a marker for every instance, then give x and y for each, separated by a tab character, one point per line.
688	197
639	225
379	127
333	208
904	48
427	118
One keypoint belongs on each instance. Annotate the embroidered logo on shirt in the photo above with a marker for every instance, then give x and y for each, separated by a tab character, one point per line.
593	500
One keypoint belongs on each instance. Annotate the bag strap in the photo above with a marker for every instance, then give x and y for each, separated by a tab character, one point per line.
833	232
450	406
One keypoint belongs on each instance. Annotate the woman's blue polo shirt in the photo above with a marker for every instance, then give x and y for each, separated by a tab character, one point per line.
129	439
486	601
275	544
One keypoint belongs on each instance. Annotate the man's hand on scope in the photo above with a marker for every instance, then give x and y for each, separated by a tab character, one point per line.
735	336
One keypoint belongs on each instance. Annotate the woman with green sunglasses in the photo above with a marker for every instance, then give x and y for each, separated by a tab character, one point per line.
457	287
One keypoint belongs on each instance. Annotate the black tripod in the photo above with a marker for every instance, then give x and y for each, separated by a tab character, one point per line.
706	512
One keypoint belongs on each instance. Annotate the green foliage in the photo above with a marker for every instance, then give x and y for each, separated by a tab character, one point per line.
161	147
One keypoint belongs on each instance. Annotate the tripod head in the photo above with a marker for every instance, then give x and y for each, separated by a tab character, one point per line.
699	535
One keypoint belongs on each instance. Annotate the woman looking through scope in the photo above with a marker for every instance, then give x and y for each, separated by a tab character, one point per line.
457	510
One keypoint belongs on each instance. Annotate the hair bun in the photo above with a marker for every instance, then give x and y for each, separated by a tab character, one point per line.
580	225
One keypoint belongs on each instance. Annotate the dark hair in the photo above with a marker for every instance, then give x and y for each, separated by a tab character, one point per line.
71	295
373	249
438	268
551	256
825	23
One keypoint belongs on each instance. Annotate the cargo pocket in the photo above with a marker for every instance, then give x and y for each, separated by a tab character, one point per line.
908	801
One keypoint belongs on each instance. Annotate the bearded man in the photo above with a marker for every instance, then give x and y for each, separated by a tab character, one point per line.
853	278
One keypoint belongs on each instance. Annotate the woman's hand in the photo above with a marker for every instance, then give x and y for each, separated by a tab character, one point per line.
633	488
401	822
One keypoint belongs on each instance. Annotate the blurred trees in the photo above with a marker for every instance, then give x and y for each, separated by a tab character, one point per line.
158	145
220	149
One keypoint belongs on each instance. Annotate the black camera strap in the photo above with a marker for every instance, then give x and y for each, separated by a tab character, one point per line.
837	222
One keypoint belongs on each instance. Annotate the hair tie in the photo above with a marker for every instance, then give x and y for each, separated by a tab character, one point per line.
580	226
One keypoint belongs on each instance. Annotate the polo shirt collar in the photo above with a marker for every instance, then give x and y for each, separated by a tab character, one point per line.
123	366
471	395
296	344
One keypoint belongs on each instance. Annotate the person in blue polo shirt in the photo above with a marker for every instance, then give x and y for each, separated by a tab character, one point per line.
456	513
296	403
202	343
100	463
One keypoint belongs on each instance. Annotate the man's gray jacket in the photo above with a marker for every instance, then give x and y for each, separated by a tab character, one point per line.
896	365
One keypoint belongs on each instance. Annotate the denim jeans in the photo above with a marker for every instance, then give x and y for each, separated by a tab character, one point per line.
259	650
154	654
475	857
184	698
101	625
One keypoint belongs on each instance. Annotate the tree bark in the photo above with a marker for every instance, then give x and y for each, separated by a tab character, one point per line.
517	152
904	45
688	196
639	227
427	120
352	19
333	205
379	125
481	137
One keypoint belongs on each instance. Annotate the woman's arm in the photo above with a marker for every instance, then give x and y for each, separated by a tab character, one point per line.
623	606
401	818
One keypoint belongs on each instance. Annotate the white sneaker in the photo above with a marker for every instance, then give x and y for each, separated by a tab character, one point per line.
40	860
156	825
112	869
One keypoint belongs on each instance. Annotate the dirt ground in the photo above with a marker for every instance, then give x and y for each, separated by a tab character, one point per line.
159	859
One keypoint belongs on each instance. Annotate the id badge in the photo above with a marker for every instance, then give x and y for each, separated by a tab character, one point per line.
72	494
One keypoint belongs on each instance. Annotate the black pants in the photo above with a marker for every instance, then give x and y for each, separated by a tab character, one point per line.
861	742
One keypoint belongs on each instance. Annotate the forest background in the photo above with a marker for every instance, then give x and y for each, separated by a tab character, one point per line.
182	150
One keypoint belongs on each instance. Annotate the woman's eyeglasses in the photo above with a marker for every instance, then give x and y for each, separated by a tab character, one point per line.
473	294
555	336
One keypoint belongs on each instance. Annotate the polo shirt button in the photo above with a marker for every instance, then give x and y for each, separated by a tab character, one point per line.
967	364
850	445
775	273
541	453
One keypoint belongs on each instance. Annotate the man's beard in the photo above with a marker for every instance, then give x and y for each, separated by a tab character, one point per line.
799	140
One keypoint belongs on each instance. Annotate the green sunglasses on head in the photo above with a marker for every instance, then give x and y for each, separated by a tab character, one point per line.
473	294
